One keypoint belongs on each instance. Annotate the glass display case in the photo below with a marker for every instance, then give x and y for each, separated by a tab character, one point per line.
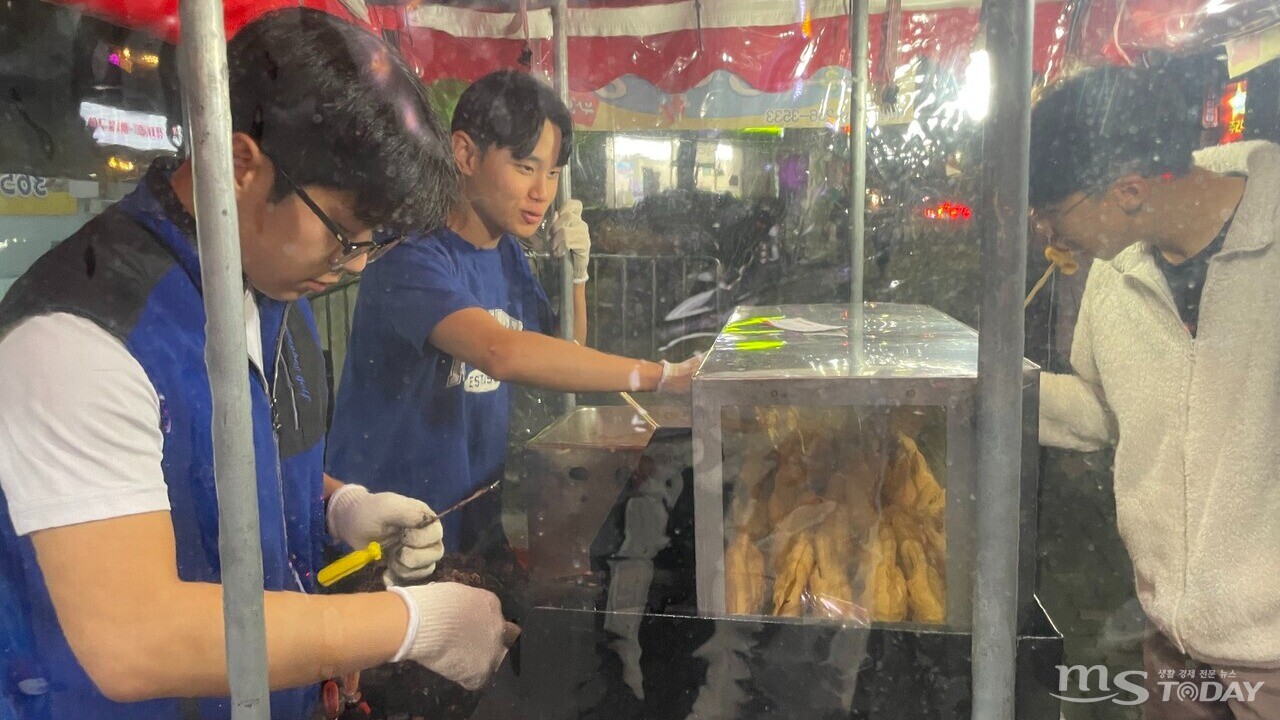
836	485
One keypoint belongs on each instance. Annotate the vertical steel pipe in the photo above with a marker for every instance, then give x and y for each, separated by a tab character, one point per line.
859	11
207	97
561	58
1003	210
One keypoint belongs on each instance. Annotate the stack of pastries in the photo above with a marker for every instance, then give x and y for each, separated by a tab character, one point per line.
839	517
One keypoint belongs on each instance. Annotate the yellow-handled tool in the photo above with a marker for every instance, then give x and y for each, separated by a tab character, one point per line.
353	561
348	564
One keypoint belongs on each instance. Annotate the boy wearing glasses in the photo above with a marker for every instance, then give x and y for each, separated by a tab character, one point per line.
109	548
452	317
1177	363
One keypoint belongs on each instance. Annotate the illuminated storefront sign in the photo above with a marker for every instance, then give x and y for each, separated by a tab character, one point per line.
1231	112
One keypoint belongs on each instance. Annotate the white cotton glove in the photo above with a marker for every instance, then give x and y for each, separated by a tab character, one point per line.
358	517
677	378
569	234
455	630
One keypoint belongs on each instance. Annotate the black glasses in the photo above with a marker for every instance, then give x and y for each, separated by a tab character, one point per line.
370	250
1043	222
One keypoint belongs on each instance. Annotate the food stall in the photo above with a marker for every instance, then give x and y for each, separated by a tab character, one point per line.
834	487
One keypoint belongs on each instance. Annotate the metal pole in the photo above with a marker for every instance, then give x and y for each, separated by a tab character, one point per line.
858	19
999	405
209	110
561	51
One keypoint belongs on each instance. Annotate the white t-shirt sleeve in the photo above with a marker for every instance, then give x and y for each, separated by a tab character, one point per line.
80	435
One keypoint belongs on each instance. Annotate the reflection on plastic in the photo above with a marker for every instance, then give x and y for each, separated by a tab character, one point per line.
900	341
1118	30
838	512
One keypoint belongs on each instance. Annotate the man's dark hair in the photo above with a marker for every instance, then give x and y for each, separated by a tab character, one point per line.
508	109
337	108
1103	123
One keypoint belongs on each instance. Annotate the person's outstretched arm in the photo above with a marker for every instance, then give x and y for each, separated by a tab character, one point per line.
530	358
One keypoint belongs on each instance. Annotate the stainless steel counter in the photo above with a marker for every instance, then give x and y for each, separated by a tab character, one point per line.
575	471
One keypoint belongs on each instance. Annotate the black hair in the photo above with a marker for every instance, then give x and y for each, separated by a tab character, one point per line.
508	108
337	108
1105	122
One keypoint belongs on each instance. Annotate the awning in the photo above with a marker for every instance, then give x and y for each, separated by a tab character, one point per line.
772	45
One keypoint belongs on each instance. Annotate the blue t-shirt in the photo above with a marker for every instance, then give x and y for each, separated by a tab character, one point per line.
411	419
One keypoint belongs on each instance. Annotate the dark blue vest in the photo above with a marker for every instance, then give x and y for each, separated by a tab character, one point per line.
135	272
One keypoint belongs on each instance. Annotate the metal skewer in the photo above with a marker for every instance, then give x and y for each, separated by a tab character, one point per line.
644	414
456	506
353	561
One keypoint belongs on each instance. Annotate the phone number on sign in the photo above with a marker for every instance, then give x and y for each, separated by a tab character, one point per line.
792	116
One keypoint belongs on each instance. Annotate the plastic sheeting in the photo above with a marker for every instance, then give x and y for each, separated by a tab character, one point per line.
706	76
772	45
770	58
733	65
1117	30
692	216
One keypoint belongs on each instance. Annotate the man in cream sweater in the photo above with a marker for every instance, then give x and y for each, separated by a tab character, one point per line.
1176	362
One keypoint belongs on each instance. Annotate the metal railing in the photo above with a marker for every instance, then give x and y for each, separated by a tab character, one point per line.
334	309
630	297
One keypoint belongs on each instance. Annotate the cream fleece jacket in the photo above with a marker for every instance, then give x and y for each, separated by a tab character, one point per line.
1195	422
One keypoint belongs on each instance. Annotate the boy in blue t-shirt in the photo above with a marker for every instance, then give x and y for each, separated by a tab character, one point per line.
450	318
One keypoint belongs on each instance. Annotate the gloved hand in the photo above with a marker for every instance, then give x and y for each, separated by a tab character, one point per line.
677	378
358	517
570	234
455	630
